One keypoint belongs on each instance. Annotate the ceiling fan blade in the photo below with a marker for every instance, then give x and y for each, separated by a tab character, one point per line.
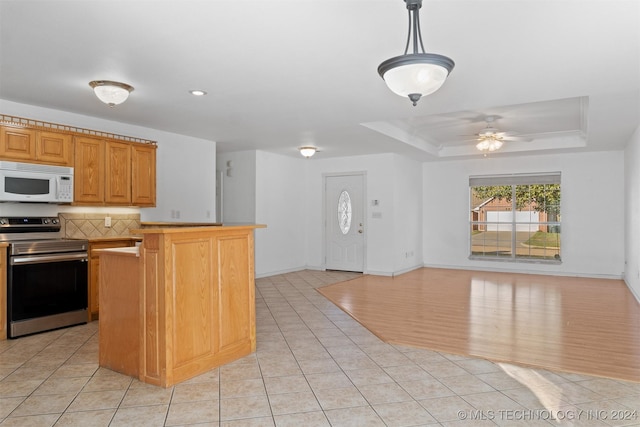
517	138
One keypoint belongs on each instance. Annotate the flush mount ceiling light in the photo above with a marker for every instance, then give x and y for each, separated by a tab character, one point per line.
197	92
415	74
308	151
111	93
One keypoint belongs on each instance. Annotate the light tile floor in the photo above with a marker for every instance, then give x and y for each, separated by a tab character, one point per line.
314	366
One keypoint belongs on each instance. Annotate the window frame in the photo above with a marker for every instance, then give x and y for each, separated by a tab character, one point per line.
513	180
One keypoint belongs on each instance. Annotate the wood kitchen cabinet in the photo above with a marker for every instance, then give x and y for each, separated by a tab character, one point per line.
36	146
17	144
94	268
113	172
143	175
89	170
109	169
183	305
54	148
118	173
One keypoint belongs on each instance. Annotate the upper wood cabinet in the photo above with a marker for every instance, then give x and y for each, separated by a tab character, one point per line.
143	174
113	172
109	169
89	170
17	143
54	148
118	177
29	145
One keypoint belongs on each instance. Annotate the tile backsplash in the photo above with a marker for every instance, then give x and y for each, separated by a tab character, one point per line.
91	225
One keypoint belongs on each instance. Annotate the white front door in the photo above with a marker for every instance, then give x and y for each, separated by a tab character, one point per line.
344	222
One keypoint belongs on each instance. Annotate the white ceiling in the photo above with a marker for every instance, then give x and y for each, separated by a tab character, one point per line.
564	74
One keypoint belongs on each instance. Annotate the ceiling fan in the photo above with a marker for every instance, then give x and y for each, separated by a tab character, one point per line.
490	138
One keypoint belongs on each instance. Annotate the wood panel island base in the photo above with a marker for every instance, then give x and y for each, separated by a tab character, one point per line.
180	305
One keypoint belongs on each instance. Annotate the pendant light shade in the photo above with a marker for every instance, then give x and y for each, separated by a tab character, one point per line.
416	74
111	93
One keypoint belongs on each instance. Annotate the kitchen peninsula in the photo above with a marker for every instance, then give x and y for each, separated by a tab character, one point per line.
179	305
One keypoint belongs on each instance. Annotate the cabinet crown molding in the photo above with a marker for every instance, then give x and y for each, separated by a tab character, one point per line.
21	122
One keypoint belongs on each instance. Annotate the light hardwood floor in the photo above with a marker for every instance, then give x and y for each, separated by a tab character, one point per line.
580	325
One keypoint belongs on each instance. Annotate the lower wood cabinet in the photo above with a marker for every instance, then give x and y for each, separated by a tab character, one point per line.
94	268
182	306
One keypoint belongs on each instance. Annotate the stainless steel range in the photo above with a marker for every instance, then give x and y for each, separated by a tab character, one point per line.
46	276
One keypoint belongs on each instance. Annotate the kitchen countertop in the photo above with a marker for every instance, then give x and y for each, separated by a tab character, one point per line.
179	224
170	229
129	250
112	238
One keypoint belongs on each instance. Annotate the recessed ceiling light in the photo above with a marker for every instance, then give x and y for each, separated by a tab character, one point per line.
197	92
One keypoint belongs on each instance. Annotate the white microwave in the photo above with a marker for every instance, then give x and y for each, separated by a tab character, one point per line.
30	182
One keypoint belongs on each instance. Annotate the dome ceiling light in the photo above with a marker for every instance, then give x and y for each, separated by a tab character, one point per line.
415	74
308	151
111	93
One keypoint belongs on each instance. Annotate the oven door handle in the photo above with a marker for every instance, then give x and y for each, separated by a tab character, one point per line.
40	259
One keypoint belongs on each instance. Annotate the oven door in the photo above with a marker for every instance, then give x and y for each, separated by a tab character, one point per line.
46	292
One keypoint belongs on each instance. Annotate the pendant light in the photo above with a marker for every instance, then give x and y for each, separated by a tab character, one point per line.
415	74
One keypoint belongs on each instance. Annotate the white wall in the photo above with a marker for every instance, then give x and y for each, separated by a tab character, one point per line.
423	207
286	194
280	204
378	186
185	165
186	181
407	221
267	188
238	186
592	212
632	214
389	179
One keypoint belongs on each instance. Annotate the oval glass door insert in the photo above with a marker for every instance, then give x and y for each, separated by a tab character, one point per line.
344	212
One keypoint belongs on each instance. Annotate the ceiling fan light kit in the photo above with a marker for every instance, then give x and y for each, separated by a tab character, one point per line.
489	144
492	139
110	92
416	74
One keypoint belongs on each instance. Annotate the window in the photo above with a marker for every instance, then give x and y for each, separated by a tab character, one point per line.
515	217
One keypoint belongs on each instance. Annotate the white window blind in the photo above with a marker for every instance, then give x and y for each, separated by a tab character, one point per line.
514	179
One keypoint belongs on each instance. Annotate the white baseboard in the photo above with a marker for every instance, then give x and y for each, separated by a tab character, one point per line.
525	271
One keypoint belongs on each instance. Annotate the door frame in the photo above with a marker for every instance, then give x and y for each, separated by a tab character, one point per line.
362	174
